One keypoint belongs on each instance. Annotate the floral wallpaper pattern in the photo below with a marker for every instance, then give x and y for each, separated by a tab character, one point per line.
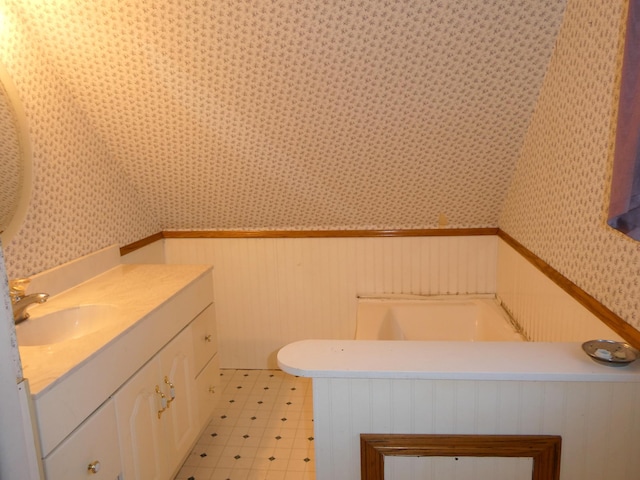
557	202
82	200
319	115
282	114
10	172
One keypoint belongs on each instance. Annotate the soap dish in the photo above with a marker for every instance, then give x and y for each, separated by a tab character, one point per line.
610	352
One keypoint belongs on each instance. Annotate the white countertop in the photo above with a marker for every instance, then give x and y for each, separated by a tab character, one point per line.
136	291
526	361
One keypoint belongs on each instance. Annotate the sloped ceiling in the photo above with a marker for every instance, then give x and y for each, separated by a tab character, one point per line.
258	114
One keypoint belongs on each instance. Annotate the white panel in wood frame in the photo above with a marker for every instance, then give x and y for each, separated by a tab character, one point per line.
457	468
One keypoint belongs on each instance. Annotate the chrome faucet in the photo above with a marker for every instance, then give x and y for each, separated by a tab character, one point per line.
20	300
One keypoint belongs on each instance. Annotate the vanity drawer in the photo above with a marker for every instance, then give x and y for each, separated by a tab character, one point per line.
93	443
208	387
205	337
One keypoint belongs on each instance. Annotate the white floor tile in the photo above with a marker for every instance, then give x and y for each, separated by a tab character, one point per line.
262	429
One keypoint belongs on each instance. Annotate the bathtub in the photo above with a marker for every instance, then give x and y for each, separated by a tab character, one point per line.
445	318
376	384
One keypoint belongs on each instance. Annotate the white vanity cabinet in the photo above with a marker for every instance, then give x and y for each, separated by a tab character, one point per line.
157	412
129	398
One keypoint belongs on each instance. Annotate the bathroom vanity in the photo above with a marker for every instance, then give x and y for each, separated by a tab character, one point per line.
125	398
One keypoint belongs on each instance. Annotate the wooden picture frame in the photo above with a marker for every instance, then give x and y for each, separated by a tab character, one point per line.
543	449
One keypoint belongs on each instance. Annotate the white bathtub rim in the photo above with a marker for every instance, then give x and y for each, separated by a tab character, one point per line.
367	329
385	297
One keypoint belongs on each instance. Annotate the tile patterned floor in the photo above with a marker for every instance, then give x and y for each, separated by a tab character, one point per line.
262	429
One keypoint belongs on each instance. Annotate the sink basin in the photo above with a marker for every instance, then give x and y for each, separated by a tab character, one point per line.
61	325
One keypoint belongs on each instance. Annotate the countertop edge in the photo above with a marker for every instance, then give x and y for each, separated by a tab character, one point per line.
536	361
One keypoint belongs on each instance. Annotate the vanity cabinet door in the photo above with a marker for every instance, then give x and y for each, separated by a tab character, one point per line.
139	428
180	422
157	413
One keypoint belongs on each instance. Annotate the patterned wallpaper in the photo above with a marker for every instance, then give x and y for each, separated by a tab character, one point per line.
82	200
282	114
10	171
556	205
285	114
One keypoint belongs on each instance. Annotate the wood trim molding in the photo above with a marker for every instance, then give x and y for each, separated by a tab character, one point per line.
545	450
140	243
431	232
608	317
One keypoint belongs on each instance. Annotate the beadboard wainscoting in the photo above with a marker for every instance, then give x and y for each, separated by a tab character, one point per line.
545	311
273	291
598	422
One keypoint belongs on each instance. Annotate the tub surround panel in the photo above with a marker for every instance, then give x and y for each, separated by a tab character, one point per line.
274	291
599	421
545	311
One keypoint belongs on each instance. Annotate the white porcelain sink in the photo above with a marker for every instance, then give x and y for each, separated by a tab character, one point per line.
61	325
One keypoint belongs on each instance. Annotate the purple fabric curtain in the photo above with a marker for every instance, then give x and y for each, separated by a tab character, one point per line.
625	187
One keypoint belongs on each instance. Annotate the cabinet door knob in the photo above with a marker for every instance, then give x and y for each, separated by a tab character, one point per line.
208	338
94	467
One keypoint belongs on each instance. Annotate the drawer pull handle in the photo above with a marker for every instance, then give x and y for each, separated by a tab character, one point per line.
163	401
208	338
172	391
94	467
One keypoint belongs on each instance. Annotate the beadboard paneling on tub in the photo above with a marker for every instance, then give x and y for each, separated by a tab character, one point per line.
544	310
599	423
273	291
